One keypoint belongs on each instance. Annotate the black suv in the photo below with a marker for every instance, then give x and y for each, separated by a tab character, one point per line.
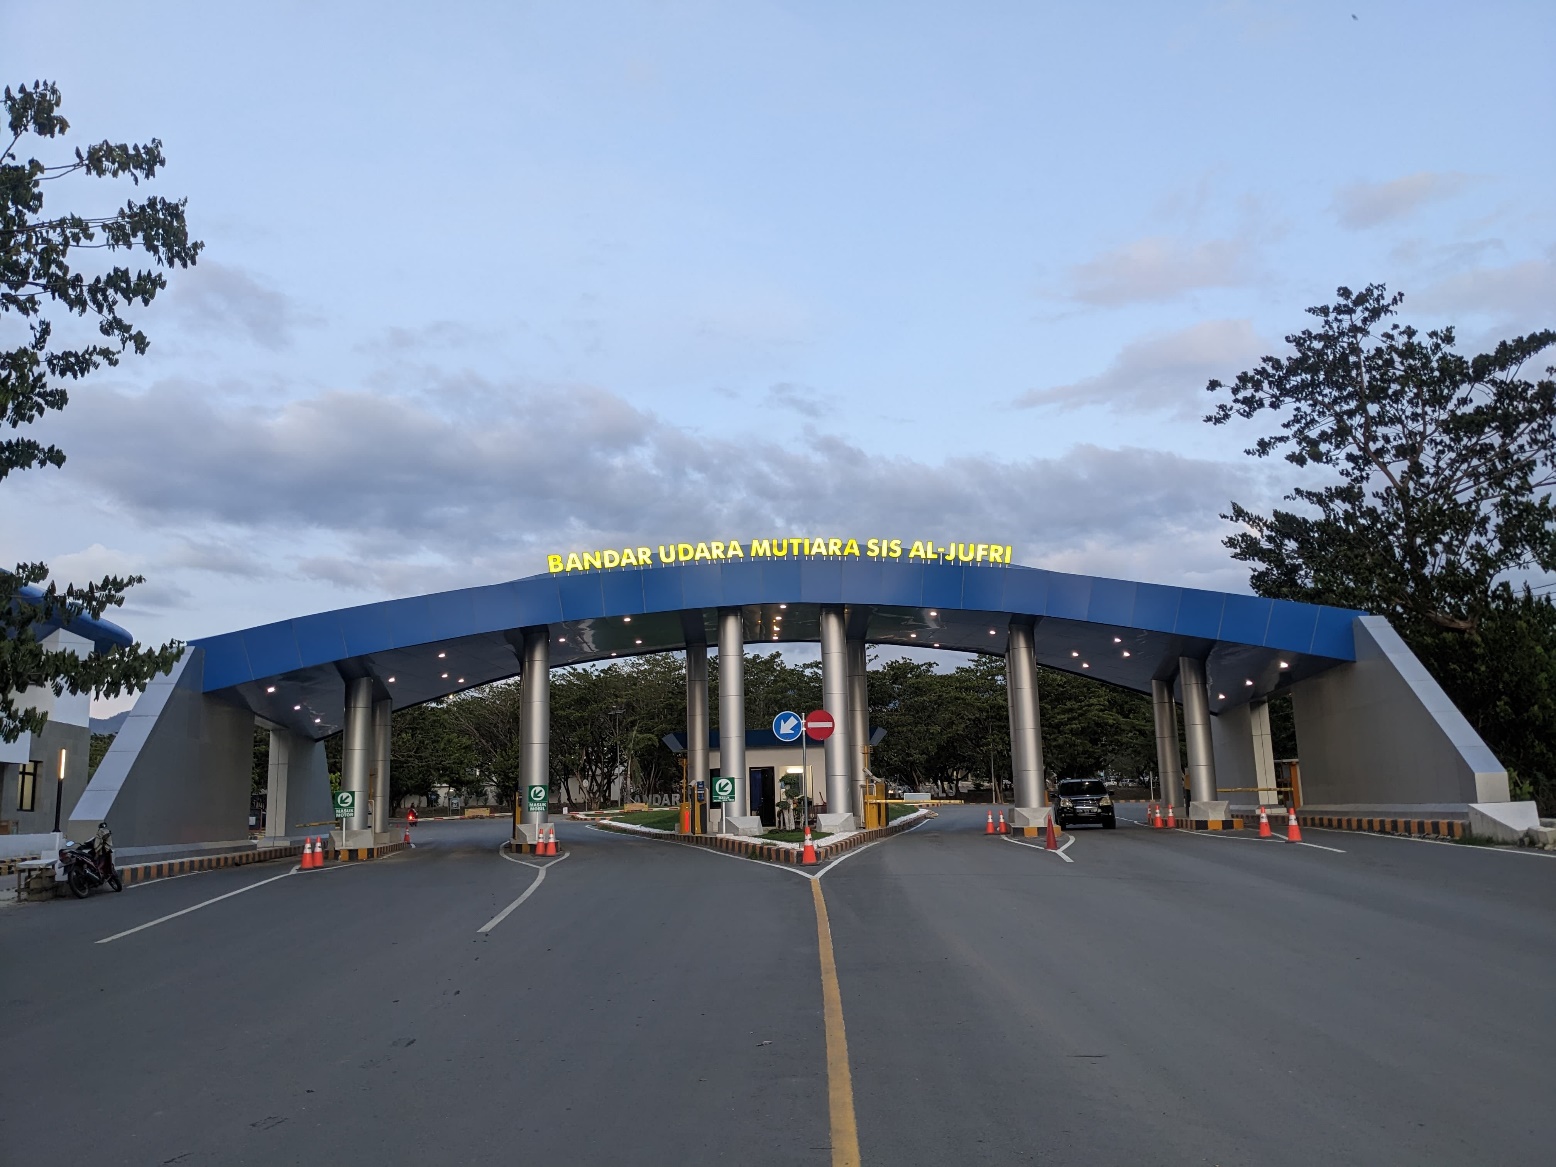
1083	800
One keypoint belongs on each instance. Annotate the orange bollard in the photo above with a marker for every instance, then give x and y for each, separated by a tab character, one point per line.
808	856
988	827
1004	829
1293	832
1051	843
1264	824
686	818
1172	817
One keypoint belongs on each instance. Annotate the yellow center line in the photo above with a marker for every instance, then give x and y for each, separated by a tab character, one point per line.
840	1084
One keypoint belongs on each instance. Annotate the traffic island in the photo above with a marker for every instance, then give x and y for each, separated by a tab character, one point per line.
769	851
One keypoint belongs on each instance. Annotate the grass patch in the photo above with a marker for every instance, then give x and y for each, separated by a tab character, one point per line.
897	810
664	819
793	836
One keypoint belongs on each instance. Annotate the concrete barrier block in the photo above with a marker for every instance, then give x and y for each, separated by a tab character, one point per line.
1506	822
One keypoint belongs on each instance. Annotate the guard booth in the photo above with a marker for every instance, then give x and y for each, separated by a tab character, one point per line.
764	794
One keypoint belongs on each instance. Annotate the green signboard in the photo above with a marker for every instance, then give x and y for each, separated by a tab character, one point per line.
535	798
723	790
345	803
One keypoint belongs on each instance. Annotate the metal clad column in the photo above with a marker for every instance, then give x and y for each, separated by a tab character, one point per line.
1026	730
535	720
834	699
696	716
275	791
1196	730
356	754
732	708
383	710
858	718
1165	710
1263	752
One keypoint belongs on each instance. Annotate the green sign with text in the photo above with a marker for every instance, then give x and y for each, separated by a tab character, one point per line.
535	798
723	790
345	803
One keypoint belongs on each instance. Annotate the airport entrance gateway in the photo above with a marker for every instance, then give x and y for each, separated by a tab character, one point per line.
1373	728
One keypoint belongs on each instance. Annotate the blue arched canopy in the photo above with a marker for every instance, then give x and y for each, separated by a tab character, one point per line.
293	672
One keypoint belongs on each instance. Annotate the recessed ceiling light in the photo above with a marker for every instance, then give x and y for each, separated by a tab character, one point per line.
913	635
1075	654
934	613
1284	665
1084	665
626	619
1247	682
296	707
783	605
316	720
1126	652
270	688
991	632
561	640
1118	640
441	655
461	680
613	654
445	676
1221	696
637	642
391	680
937	645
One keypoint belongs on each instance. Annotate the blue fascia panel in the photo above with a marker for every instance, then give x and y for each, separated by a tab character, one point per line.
451	615
271	650
1199	614
1245	619
861	581
539	601
319	639
493	609
1112	602
1026	591
943	586
702	585
1335	635
901	585
1156	607
624	592
581	596
1292	625
821	581
226	661
662	590
1069	596
365	629
743	583
780	581
983	588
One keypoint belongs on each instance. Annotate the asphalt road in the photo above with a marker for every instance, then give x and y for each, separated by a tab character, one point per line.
1164	998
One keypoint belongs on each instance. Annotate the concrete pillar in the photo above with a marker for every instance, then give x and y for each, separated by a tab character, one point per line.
356	754
732	709
696	716
275	785
858	719
534	727
1165	710
383	711
1263	752
834	699
1196	735
1026	727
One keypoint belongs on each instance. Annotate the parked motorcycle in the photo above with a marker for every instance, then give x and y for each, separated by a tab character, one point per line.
90	864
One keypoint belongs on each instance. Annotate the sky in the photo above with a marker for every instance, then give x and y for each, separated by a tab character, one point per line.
486	281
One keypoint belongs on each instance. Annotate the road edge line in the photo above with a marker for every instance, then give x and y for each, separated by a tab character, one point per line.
840	1084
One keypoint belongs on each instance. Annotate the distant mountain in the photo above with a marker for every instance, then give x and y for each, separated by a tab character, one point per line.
110	724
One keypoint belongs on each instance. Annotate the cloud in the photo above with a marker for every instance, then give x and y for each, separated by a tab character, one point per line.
800	398
222	297
1159	268
391	494
1166	372
1523	293
1371	204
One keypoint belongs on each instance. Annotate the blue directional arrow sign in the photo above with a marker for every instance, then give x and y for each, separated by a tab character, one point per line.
788	726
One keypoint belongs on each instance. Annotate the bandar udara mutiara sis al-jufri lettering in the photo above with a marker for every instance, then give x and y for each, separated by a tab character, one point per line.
717	550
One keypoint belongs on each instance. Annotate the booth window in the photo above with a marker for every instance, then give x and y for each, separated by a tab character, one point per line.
27	787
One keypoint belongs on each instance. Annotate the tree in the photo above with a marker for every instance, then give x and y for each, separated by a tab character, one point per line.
1437	472
35	272
427	748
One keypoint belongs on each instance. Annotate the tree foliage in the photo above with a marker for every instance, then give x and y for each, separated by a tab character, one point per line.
1435	476
37	246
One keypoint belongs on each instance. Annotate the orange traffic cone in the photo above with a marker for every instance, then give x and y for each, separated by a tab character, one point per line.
1293	832
551	841
1156	818
809	854
318	853
307	860
988	827
1172	817
1004	829
1264	824
1051	843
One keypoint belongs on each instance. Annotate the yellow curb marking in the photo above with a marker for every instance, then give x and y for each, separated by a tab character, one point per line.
840	1084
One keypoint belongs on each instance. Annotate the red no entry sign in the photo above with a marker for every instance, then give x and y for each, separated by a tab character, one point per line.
819	725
